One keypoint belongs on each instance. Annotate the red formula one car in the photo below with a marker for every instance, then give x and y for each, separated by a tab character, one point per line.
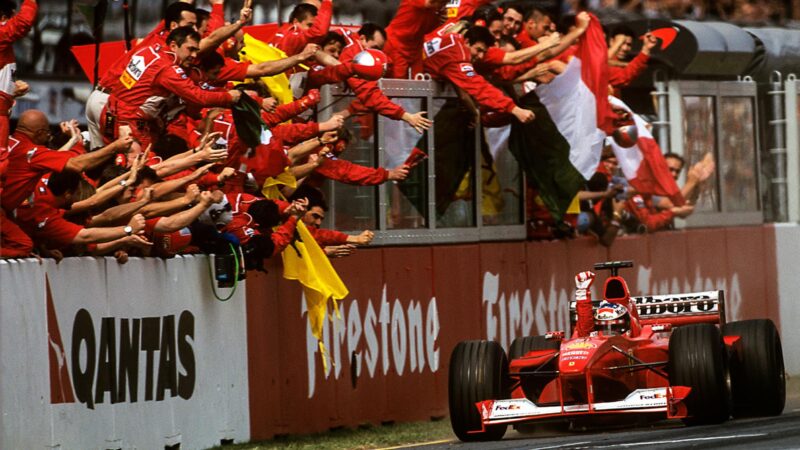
656	357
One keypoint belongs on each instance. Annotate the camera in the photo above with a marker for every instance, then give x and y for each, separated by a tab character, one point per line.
225	268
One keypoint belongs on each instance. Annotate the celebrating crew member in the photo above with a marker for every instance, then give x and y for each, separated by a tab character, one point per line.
450	55
150	77
307	25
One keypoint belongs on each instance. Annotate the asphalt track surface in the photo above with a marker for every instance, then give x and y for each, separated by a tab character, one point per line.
781	432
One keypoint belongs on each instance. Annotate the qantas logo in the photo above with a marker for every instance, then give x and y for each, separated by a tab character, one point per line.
105	358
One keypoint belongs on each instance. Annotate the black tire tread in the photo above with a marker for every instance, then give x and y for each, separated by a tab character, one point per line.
757	370
478	371
697	360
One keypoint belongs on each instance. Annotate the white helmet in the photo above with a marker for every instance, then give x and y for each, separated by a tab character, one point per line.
612	318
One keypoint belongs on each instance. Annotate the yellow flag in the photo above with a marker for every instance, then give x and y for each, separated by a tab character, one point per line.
271	187
307	263
574	206
256	52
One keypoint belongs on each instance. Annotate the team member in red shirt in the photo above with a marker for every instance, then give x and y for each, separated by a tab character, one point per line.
643	208
497	57
235	70
334	243
150	77
42	217
306	25
405	34
254	220
369	95
178	14
620	73
450	56
512	19
328	165
29	158
538	22
13	27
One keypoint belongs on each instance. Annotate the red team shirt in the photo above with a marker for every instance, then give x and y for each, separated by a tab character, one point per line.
43	221
27	163
404	36
448	57
291	39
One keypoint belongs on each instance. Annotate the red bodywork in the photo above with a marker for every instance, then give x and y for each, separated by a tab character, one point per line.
606	375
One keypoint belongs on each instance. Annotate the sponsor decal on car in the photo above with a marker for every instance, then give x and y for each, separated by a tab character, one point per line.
693	303
579	345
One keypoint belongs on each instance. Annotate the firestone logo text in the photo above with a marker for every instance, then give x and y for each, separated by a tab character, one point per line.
390	334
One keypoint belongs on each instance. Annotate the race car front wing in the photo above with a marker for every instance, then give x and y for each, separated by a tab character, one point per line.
668	400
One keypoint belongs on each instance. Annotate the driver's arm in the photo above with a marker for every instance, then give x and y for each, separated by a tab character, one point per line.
583	304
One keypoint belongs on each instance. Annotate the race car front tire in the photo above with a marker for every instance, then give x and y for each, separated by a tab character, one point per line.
697	360
758	380
478	371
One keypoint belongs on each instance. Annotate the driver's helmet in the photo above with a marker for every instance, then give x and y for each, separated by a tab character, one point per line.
611	318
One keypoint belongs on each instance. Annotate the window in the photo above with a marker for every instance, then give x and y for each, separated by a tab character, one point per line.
699	123
441	200
737	154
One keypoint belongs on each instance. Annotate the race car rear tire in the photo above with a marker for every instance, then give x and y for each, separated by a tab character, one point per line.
697	360
522	345
478	371
758	380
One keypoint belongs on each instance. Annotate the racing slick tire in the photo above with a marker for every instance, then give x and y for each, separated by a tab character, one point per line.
697	360
758	380
523	345
478	371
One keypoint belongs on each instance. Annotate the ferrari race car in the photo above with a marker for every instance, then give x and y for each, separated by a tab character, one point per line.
656	357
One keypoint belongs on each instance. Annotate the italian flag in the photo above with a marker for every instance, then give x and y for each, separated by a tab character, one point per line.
561	149
643	163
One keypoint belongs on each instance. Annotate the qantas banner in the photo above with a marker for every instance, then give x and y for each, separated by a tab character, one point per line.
102	355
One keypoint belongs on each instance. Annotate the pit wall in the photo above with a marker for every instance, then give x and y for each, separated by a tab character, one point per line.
409	306
80	340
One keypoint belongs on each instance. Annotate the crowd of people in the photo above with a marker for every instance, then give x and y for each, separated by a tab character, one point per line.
170	163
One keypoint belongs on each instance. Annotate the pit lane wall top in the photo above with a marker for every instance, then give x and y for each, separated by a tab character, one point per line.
204	370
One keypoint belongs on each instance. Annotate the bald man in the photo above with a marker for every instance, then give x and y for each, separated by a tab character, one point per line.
29	157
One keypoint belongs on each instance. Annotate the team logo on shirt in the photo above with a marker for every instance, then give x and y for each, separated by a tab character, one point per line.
452	8
467	69
137	66
433	46
180	72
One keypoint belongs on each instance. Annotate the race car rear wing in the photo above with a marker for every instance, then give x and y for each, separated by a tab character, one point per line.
682	309
675	309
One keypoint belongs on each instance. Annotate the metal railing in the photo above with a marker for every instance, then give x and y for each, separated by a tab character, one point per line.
474	193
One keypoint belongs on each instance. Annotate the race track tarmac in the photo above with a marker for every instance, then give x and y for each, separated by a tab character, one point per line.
782	432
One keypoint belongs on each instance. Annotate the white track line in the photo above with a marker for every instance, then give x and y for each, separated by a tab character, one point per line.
419	444
571	444
680	441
